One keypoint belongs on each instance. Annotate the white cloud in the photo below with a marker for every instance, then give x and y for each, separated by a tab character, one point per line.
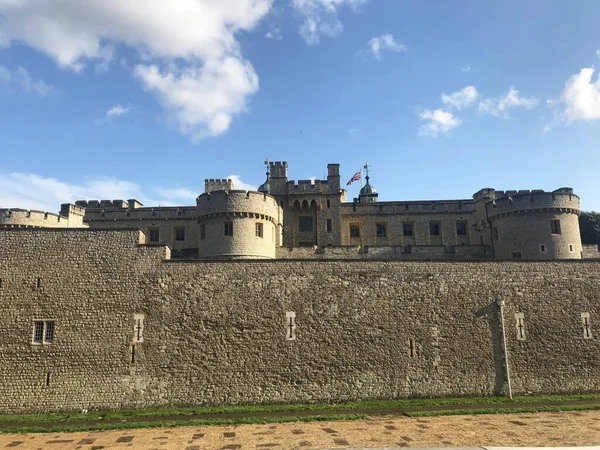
275	34
31	191
384	42
355	131
500	107
238	184
461	99
191	58
598	53
117	111
22	78
465	69
437	122
580	97
320	18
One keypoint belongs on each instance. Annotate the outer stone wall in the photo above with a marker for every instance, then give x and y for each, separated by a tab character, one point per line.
216	332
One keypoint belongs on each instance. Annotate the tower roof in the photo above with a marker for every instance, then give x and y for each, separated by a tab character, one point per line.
367	189
265	187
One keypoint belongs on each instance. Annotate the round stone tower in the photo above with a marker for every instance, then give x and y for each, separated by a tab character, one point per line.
238	225
535	225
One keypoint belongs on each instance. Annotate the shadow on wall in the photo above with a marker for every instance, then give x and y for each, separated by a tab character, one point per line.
491	314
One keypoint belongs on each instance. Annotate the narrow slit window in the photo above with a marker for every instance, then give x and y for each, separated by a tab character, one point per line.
39	283
228	228
132	353
47	379
520	319
329	225
542	248
412	348
586	325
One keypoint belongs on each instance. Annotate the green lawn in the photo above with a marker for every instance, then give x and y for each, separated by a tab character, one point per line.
136	418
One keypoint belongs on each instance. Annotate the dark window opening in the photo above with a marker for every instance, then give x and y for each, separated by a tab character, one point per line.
461	228
381	230
305	224
39	283
329	225
407	229
259	230
132	354
555	226
47	379
329	203
228	228
154	235
180	234
434	228
354	231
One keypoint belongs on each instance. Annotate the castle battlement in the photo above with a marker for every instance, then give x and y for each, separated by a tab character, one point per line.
513	201
108	204
15	217
237	201
159	213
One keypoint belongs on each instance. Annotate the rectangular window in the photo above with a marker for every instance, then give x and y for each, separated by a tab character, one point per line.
329	203
555	226
49	335
202	231
329	225
38	332
180	234
154	234
43	331
495	233
542	248
228	226
381	230
259	230
354	231
461	228
407	228
571	248
305	224
434	228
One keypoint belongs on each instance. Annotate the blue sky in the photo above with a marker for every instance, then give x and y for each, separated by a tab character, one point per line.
99	99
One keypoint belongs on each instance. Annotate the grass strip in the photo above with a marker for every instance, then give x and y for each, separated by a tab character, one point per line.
470	412
199	410
74	427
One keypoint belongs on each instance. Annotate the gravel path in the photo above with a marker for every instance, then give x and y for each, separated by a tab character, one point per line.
581	428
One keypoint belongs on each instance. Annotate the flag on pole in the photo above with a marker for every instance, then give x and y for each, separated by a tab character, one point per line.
357	176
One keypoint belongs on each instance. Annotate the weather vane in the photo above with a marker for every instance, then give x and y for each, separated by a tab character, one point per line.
267	164
366	167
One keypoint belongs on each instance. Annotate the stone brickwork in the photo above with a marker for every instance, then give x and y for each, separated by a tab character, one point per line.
216	332
238	224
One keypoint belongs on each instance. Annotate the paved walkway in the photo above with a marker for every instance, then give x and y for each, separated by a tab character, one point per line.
542	429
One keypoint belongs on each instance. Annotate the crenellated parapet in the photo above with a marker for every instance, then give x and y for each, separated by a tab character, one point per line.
109	204
524	201
237	203
217	184
23	218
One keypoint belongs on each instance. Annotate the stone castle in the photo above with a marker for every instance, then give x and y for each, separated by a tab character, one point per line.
291	294
313	219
